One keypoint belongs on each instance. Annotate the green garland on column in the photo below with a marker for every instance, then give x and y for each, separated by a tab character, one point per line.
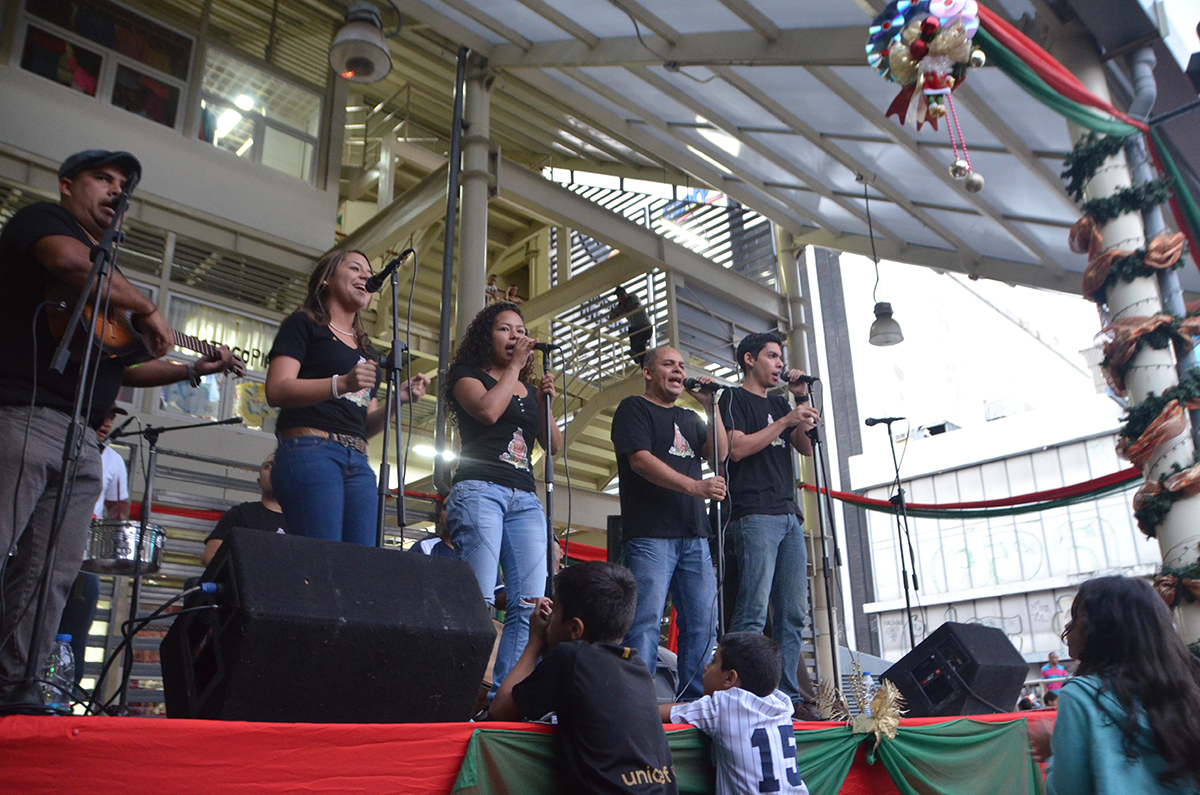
1128	200
1085	159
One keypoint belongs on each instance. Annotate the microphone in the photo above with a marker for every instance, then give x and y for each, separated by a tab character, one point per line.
117	433
801	379
876	420
694	385
546	347
375	283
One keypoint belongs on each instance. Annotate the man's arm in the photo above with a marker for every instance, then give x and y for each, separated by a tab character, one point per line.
504	707
116	509
657	472
69	261
160	373
210	549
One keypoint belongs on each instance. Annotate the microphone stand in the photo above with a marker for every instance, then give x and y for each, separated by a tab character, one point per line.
393	368
151	433
900	511
825	524
548	469
25	696
714	462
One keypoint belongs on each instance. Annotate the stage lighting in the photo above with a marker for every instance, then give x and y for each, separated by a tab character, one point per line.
359	53
885	330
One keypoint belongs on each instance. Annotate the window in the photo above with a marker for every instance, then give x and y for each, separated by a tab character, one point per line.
107	51
259	116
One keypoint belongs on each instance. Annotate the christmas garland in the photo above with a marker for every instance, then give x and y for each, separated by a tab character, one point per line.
1128	200
1158	338
1085	159
1126	269
1144	413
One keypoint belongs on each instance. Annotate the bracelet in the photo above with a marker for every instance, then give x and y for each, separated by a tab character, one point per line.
192	378
333	385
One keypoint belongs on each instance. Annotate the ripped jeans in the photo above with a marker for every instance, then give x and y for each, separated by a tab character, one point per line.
494	525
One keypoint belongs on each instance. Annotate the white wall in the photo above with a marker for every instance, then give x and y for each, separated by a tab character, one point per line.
53	121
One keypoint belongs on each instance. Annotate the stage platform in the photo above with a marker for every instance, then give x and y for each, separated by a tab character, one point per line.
87	755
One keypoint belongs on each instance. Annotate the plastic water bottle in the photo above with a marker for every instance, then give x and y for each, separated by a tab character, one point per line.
869	690
59	669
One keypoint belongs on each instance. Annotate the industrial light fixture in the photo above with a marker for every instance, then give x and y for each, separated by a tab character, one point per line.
359	53
885	330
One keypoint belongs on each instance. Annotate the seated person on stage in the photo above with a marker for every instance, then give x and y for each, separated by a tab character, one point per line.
438	545
748	718
609	735
262	515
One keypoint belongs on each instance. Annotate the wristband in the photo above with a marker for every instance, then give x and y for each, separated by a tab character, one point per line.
333	386
192	378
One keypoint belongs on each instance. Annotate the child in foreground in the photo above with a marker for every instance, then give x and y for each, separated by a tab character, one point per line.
612	740
748	718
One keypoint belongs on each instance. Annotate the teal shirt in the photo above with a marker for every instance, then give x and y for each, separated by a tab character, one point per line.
1088	751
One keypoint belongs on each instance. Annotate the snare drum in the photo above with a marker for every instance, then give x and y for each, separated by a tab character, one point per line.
110	548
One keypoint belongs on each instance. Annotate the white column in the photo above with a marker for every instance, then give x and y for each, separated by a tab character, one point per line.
473	231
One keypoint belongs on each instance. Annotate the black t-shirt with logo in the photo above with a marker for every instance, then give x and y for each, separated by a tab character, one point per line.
609	727
674	436
23	285
500	453
322	355
254	515
764	482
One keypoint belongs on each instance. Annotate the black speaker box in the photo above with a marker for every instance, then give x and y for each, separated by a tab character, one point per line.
310	631
960	669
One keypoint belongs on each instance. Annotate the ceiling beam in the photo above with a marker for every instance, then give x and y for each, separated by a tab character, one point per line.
936	167
756	19
414	209
445	26
556	17
473	11
648	18
794	47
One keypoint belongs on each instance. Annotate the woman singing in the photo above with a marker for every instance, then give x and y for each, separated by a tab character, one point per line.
322	376
493	513
1127	721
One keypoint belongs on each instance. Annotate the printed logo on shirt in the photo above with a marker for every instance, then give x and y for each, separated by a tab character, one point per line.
649	775
778	441
681	447
516	452
363	396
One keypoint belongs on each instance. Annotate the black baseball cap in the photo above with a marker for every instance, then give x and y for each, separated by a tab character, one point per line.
97	158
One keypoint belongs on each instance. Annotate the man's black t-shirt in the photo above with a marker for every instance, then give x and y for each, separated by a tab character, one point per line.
254	515
23	284
500	453
674	436
609	727
322	355
762	483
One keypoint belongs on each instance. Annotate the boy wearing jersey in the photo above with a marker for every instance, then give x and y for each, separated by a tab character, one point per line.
749	720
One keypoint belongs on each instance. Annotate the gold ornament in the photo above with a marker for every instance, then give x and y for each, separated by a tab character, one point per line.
904	68
952	42
936	110
959	169
974	182
886	708
978	59
911	32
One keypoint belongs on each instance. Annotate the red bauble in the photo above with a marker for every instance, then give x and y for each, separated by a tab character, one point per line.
918	49
929	27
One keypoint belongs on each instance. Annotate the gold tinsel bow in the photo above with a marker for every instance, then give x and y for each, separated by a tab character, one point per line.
884	720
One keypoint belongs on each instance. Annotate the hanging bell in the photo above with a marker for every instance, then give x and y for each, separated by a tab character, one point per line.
978	59
936	110
974	182
959	169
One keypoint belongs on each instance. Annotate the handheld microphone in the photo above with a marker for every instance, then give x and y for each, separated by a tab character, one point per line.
876	420
546	347
694	385
375	283
801	379
117	432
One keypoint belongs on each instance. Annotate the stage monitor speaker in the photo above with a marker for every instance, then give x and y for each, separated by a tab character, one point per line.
310	631
960	669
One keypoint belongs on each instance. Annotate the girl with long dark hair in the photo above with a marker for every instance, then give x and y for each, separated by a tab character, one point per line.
493	513
323	377
1129	720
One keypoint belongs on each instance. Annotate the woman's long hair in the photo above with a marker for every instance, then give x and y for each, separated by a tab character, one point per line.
475	348
314	301
1130	644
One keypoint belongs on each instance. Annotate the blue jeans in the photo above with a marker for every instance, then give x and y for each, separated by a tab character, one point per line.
492	526
682	567
326	490
772	559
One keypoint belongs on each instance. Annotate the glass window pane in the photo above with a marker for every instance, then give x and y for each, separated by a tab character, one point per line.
202	402
58	60
120	29
249	338
226	127
145	96
287	153
254	91
250	403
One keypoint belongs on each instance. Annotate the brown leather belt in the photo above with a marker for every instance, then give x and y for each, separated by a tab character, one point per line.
344	439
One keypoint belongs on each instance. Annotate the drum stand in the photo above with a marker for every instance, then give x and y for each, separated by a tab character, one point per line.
151	433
